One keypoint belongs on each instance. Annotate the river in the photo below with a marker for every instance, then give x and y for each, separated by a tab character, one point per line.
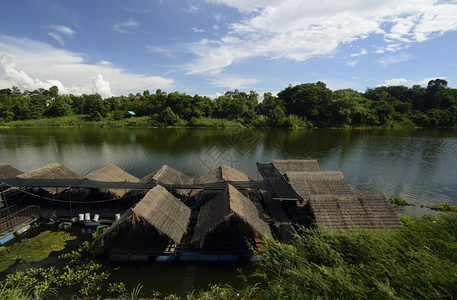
417	165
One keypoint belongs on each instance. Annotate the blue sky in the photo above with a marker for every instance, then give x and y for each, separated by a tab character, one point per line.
207	47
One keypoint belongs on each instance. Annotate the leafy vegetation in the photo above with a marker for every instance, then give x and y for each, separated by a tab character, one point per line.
396	201
303	105
416	261
33	249
443	207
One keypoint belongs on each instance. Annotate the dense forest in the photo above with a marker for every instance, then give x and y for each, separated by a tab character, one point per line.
304	105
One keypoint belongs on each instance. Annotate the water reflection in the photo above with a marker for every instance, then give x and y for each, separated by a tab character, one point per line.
418	165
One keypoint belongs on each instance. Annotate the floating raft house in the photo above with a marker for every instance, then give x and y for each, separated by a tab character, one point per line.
7	171
113	173
219	210
168	175
296	165
160	209
369	211
51	171
307	184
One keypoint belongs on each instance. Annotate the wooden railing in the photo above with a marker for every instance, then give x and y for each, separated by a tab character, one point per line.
12	216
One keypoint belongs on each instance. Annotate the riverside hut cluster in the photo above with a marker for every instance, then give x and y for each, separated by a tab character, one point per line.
168	215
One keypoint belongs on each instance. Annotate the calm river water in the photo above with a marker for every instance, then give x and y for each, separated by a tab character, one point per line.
417	165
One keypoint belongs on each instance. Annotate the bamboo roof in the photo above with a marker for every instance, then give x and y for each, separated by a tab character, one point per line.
296	165
221	208
113	173
51	171
221	174
307	184
7	171
159	208
369	211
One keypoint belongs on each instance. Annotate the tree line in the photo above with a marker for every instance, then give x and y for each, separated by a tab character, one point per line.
303	105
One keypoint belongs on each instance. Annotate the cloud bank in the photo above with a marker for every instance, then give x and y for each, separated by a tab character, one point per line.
298	30
26	63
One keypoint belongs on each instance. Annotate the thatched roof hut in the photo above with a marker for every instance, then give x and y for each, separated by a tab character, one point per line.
51	171
160	209
221	174
7	171
369	211
307	184
168	175
296	165
112	173
228	203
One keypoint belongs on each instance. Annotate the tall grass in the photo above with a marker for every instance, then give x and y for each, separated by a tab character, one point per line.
418	261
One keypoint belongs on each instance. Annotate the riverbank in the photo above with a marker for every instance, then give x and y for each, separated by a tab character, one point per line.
145	122
136	122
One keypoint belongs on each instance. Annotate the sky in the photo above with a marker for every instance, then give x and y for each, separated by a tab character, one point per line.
117	47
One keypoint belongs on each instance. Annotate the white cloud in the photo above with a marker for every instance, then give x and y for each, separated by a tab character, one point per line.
154	49
394	59
233	82
58	38
362	52
197	30
67	31
426	80
352	63
192	9
124	27
38	61
300	29
102	87
59	31
394	81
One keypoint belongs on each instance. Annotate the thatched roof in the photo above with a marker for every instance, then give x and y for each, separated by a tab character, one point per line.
112	173
170	176
221	174
51	171
296	165
307	184
370	211
7	171
221	208
167	175
160	209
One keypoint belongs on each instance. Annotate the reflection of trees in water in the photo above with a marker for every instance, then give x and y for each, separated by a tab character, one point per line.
398	162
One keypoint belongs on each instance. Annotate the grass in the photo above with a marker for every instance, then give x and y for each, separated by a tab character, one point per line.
396	201
415	261
136	122
443	207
